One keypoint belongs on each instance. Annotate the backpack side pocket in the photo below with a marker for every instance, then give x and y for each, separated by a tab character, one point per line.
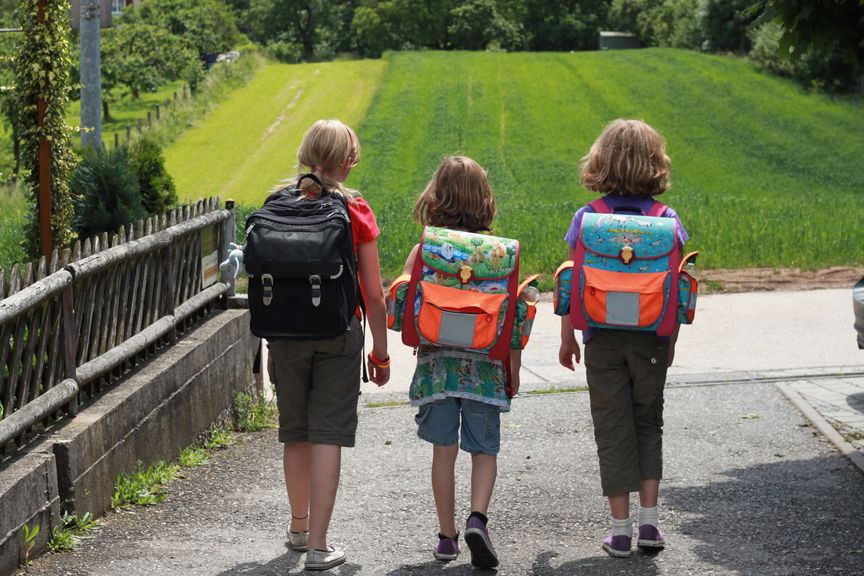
563	287
526	310
688	290
395	301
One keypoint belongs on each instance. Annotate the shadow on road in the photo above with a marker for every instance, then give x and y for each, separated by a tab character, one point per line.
289	563
543	565
856	401
794	517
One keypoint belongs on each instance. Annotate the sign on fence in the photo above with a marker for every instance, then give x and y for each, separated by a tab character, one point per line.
209	256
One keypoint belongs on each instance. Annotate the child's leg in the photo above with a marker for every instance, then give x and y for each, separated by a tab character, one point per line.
649	489
484	470
295	460
325	461
481	436
444	486
438	424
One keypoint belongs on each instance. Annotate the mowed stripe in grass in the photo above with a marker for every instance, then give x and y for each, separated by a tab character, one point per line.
764	173
249	142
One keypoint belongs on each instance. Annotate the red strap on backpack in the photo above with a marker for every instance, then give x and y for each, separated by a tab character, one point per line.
601	207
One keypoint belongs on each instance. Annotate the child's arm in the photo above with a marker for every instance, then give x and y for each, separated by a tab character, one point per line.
569	350
409	263
376	314
672	342
515	366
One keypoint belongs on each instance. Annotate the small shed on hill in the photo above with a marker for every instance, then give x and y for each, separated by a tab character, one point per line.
610	40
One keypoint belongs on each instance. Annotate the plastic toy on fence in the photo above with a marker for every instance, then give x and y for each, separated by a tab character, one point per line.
233	262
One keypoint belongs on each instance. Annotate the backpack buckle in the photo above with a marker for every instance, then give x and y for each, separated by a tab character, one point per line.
267	281
315	281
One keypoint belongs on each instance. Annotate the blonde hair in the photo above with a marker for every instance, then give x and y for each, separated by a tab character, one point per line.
458	196
628	158
326	146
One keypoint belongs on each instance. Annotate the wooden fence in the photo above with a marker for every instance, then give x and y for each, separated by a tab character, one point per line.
84	319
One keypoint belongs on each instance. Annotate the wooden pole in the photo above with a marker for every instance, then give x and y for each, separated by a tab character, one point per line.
45	240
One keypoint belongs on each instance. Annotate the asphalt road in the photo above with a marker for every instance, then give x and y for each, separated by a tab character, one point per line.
750	489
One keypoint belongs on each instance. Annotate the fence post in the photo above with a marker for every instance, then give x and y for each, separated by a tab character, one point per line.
149	121
128	132
116	140
157	112
70	345
170	290
226	236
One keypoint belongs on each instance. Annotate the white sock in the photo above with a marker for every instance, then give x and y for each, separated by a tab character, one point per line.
648	516
623	527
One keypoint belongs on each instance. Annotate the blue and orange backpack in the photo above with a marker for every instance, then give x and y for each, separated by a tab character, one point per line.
627	273
463	293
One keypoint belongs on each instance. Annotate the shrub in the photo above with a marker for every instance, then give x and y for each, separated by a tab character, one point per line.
282	51
107	193
158	192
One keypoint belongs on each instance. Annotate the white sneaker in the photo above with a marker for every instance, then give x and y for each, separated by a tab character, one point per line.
324	559
298	541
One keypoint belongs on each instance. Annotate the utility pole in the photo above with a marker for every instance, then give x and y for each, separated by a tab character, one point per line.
45	239
91	75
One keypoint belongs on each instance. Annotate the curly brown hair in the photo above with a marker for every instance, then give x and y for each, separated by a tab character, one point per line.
628	158
458	196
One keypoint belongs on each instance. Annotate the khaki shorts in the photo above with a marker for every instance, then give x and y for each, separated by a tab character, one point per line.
626	376
318	386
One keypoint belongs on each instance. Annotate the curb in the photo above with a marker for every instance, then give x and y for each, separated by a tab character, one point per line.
847	449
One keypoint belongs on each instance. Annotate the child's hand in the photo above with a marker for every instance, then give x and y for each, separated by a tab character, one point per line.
379	372
568	352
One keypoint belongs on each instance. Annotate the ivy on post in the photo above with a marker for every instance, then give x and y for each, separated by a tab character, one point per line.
41	82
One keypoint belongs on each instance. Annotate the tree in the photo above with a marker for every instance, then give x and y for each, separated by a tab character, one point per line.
479	25
824	28
107	193
405	24
141	57
725	25
158	192
207	26
568	25
42	73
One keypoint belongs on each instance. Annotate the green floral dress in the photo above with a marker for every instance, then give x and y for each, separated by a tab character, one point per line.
443	372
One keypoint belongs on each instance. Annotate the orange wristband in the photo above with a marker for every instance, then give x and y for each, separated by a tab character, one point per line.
379	363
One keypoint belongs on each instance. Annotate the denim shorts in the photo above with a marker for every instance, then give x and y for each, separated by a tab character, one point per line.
438	423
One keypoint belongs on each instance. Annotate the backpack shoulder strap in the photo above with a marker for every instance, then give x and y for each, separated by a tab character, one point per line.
657	209
599	205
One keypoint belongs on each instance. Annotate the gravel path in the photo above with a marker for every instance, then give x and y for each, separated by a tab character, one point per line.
750	489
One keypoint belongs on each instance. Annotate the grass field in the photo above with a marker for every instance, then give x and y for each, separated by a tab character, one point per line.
125	111
13	213
764	174
249	143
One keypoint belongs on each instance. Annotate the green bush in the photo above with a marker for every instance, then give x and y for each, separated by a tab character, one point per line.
158	192
106	191
282	51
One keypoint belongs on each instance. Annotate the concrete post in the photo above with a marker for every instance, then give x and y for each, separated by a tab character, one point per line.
91	79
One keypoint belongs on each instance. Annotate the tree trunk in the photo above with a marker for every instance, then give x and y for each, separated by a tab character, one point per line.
16	147
106	116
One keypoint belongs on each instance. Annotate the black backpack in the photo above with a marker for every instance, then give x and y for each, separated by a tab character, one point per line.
301	263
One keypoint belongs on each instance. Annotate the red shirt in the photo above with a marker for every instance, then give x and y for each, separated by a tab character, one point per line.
364	227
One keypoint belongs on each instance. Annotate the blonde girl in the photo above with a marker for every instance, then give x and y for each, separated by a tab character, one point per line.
318	381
